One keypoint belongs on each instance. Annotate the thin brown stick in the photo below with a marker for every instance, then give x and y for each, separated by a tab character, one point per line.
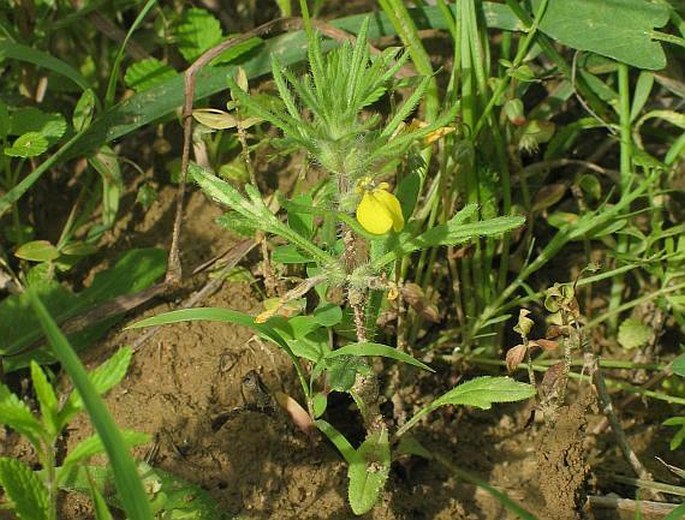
630	506
607	408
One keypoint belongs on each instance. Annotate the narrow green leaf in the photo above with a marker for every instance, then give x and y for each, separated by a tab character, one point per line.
342	371
480	392
212	314
338	440
116	65
484	391
16	51
453	232
24	488
84	110
4	121
106	163
47	400
328	314
100	508
136	270
501	497
643	87
369	471
92	446
302	222
377	349
170	496
288	254
125	475
37	251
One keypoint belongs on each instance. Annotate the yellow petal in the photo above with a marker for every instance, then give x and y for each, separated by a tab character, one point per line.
373	216
392	208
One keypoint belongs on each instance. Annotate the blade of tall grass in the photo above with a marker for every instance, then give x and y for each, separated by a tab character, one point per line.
112	83
19	52
405	27
131	492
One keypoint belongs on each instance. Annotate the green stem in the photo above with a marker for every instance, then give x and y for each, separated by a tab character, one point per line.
51	482
518	60
626	173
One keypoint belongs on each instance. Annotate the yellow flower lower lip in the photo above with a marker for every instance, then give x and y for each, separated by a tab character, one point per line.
379	211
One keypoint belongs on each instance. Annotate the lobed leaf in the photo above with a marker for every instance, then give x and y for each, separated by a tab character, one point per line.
24	488
148	73
47	400
16	414
196	31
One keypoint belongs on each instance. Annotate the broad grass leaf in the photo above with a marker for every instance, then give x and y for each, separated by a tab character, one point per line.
482	392
16	51
369	471
16	414
619	30
145	74
25	489
47	400
136	270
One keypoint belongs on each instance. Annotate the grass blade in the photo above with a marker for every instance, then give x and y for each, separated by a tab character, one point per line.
133	497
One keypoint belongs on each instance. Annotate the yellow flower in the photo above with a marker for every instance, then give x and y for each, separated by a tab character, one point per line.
379	210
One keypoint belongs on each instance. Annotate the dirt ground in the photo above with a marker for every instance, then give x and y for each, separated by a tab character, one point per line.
186	377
